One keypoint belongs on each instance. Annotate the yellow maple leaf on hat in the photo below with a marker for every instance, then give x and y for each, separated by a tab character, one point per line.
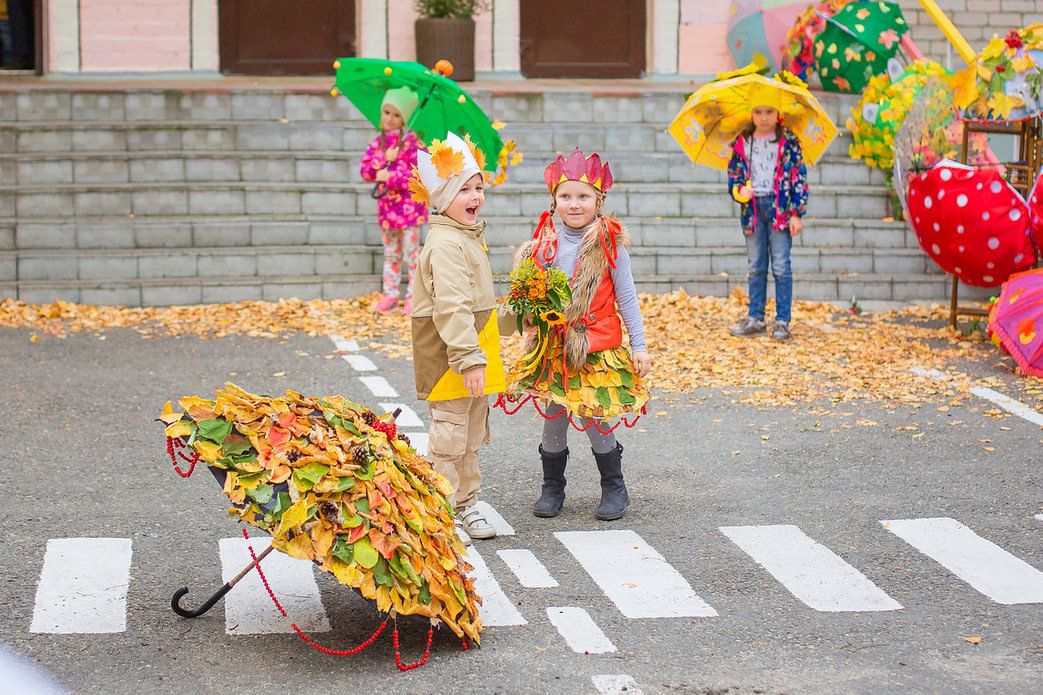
447	161
417	189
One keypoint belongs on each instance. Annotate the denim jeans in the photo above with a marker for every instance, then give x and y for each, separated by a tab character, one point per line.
762	245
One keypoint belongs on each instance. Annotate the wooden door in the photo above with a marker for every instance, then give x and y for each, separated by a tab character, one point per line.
583	38
277	37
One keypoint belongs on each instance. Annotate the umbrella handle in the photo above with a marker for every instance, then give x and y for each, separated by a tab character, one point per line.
379	191
175	600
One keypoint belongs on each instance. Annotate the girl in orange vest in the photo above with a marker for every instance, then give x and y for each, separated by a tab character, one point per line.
588	378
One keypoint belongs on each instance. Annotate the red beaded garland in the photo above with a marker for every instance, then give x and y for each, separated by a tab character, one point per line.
192	461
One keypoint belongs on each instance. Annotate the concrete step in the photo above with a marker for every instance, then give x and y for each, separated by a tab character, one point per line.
133	103
249	261
164	231
215	166
667	200
833	287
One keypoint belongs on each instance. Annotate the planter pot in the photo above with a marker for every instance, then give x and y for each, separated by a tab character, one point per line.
451	39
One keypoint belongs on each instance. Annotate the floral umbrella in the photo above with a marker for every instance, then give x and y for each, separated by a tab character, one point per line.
1003	82
715	114
759	26
971	222
798	49
857	43
334	484
1016	320
930	131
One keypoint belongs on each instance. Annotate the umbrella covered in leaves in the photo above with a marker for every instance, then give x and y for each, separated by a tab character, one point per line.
857	43
335	484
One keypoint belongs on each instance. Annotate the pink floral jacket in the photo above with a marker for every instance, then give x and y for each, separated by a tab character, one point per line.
396	209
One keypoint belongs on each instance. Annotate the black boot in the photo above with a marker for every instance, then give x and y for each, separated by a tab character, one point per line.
553	494
614	497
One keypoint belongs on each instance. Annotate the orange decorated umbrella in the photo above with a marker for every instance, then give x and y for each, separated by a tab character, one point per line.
1016	320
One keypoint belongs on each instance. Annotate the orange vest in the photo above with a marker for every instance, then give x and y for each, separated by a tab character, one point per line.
602	324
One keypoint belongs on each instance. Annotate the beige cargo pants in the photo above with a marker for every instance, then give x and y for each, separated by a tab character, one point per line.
458	429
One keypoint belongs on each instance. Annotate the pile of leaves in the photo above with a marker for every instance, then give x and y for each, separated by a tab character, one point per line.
832	357
334	484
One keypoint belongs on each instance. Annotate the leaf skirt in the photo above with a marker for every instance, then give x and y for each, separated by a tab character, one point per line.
606	387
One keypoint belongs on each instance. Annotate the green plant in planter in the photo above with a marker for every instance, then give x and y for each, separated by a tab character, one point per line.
457	9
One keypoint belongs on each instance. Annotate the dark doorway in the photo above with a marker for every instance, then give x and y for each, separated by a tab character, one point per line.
20	34
277	37
583	38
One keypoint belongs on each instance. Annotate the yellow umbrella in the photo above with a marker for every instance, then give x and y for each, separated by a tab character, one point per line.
718	111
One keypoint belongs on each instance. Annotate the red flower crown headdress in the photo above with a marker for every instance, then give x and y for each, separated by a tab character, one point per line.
578	168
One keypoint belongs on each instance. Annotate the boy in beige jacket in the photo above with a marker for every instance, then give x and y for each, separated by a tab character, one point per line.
456	339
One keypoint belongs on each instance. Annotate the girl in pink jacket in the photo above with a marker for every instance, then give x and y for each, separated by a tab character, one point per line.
389	162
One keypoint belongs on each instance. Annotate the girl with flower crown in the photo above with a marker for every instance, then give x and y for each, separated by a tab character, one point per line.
575	364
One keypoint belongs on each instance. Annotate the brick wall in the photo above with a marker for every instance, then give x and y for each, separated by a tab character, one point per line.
977	20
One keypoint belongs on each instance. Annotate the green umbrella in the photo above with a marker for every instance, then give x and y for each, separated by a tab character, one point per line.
857	43
443	106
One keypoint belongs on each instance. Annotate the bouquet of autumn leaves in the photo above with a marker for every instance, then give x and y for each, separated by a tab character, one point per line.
542	294
335	484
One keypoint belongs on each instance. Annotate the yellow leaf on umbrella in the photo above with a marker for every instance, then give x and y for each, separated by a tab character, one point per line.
964	85
168	415
1001	105
181	428
299	547
208	451
293	517
322	539
349	575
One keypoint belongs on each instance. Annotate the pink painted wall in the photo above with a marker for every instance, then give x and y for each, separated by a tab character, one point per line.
401	33
142	35
702	42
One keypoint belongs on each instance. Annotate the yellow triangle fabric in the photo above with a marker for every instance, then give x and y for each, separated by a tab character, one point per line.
451	385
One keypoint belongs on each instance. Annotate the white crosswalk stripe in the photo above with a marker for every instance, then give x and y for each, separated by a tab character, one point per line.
249	609
407	417
527	568
496	608
343	344
379	386
419	441
809	570
360	363
981	563
83	586
634	575
579	630
616	684
84	581
495	519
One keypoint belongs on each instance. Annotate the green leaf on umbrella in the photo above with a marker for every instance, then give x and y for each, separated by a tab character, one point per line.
625	397
362	505
342	550
235	444
344	483
215	429
603	396
364	552
307	476
262	494
365	473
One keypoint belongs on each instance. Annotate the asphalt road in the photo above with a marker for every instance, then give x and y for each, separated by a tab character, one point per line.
81	456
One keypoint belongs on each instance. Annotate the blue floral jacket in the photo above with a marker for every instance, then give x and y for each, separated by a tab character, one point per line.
791	182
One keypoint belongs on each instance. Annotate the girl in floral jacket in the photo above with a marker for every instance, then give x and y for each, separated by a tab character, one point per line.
389	162
768	178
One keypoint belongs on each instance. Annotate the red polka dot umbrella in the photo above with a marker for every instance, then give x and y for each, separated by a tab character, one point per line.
1017	320
971	222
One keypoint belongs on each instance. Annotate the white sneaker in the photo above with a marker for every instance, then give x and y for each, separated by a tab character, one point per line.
474	524
461	534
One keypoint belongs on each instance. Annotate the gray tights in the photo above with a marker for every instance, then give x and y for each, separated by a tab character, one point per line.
555	433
